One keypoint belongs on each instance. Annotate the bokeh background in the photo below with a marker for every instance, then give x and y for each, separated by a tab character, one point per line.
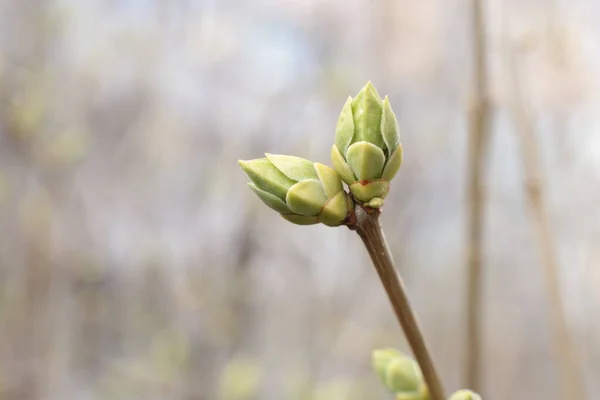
136	264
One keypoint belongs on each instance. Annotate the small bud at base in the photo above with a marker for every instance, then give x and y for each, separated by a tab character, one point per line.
375	202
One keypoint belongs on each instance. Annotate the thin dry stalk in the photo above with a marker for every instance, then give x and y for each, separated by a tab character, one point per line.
369	229
478	113
565	351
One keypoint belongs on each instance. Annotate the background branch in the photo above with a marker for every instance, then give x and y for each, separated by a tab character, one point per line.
565	351
478	138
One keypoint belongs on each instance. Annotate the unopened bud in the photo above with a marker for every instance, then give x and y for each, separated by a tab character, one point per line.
400	374
302	191
367	152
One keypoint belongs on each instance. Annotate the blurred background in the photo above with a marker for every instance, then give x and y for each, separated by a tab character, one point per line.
135	263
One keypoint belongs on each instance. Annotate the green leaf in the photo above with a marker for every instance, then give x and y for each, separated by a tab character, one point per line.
330	180
393	164
306	197
270	200
389	127
335	210
300	219
344	130
295	168
340	166
366	160
266	177
366	111
367	191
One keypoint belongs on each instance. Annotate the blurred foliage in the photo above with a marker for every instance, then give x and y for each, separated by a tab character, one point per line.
65	148
157	372
170	355
338	389
29	105
240	379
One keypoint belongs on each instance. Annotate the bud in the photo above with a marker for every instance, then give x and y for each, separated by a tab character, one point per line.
400	374
303	192
367	152
465	395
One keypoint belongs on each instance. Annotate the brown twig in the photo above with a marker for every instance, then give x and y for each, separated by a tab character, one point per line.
565	351
369	229
478	139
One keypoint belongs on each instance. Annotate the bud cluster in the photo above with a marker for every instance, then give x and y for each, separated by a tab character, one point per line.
366	156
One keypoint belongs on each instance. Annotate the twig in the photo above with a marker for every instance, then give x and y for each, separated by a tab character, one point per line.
565	352
369	229
478	139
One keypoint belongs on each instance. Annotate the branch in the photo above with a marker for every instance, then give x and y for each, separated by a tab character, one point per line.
478	140
369	229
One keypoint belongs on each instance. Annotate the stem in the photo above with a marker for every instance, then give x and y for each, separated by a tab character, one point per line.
369	229
478	138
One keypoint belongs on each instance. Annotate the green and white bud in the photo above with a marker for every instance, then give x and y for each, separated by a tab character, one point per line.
302	191
367	152
400	374
465	395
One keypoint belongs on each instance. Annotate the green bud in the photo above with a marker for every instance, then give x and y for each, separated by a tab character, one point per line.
400	374
367	152
465	395
302	191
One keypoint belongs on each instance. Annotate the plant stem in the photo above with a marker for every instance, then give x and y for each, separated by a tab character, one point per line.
369	229
478	139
